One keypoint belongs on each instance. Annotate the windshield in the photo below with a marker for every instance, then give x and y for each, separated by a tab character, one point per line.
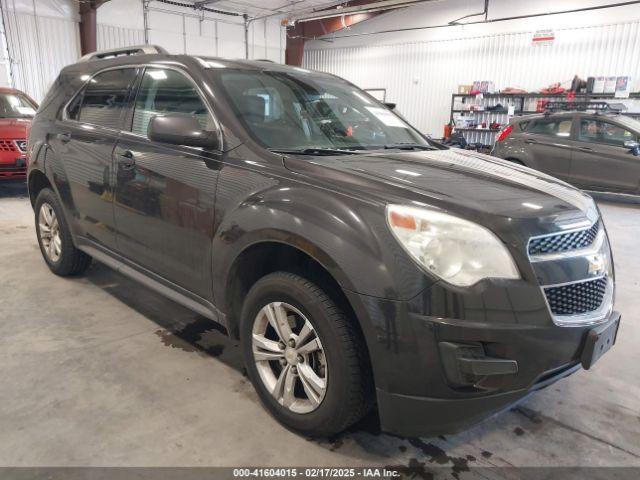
302	111
16	106
630	123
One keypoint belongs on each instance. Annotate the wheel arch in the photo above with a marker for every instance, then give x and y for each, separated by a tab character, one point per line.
36	182
263	257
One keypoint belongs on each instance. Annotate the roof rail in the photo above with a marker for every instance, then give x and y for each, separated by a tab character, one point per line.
123	51
583	107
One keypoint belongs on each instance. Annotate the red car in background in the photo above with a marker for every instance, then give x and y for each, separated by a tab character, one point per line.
16	112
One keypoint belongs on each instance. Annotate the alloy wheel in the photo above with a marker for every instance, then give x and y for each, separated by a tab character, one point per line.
49	232
289	357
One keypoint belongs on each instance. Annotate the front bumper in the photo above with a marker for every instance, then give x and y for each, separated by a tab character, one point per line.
416	390
423	416
13	169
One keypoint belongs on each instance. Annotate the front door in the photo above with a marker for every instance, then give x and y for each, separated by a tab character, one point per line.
548	146
600	160
165	194
84	141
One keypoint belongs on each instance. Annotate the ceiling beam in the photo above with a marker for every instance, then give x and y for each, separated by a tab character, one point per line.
351	10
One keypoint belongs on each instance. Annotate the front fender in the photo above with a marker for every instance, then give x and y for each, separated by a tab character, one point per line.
347	236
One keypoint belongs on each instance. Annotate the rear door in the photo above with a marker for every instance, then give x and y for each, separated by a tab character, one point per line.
547	142
84	143
600	161
165	194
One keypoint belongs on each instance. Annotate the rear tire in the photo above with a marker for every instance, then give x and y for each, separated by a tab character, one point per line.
339	362
54	237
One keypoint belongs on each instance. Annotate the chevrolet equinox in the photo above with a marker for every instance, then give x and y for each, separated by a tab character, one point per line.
360	264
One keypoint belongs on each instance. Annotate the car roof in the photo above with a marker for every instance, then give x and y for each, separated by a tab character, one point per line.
572	113
206	62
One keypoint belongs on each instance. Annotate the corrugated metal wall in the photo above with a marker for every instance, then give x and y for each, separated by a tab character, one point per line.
420	77
196	35
111	36
38	48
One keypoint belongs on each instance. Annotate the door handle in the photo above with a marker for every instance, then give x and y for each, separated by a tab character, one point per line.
63	137
127	160
585	149
530	141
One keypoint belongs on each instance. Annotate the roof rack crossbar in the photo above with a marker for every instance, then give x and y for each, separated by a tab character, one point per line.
569	106
124	51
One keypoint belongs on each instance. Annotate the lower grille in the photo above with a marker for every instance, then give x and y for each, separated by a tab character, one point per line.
577	298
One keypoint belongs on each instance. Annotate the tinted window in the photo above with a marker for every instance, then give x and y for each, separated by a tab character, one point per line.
103	98
167	91
297	109
599	131
557	127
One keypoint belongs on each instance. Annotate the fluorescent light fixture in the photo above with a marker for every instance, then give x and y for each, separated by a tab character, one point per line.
532	206
409	172
158	74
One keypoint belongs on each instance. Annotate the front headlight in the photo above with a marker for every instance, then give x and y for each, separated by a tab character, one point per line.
456	250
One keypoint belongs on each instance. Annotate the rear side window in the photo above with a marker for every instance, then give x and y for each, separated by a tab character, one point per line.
167	91
556	127
599	131
103	99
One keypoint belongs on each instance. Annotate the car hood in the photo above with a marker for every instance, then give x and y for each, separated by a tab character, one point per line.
469	183
14	128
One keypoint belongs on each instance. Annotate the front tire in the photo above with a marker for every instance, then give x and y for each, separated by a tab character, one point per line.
54	237
305	358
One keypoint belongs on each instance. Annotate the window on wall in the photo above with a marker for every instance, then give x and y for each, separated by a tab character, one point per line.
599	131
103	99
557	127
167	91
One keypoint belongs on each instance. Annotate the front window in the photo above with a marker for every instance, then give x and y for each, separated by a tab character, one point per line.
304	110
15	105
598	131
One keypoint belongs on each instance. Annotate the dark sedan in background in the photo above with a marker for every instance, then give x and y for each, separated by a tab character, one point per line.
598	152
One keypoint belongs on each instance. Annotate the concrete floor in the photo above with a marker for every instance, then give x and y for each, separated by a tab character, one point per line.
100	371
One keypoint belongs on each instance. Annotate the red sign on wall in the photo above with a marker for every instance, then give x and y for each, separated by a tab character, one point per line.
543	37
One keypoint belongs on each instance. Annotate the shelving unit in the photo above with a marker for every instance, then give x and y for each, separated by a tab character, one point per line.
522	103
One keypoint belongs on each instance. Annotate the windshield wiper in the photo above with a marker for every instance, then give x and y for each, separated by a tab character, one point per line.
407	146
314	151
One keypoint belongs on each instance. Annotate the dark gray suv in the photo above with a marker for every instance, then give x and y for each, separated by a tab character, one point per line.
594	151
359	264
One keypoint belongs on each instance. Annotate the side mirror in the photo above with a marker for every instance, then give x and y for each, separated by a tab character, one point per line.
633	146
181	129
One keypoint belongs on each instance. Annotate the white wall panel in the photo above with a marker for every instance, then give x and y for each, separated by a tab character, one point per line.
421	76
39	47
110	36
185	30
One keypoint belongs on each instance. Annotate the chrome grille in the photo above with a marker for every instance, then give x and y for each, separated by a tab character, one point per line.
577	298
564	242
575	274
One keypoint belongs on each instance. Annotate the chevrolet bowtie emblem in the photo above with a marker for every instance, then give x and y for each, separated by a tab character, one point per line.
597	264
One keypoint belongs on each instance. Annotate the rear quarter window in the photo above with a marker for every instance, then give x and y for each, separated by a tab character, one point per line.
555	127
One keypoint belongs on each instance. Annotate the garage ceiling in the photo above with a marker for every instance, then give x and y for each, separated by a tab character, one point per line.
260	8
